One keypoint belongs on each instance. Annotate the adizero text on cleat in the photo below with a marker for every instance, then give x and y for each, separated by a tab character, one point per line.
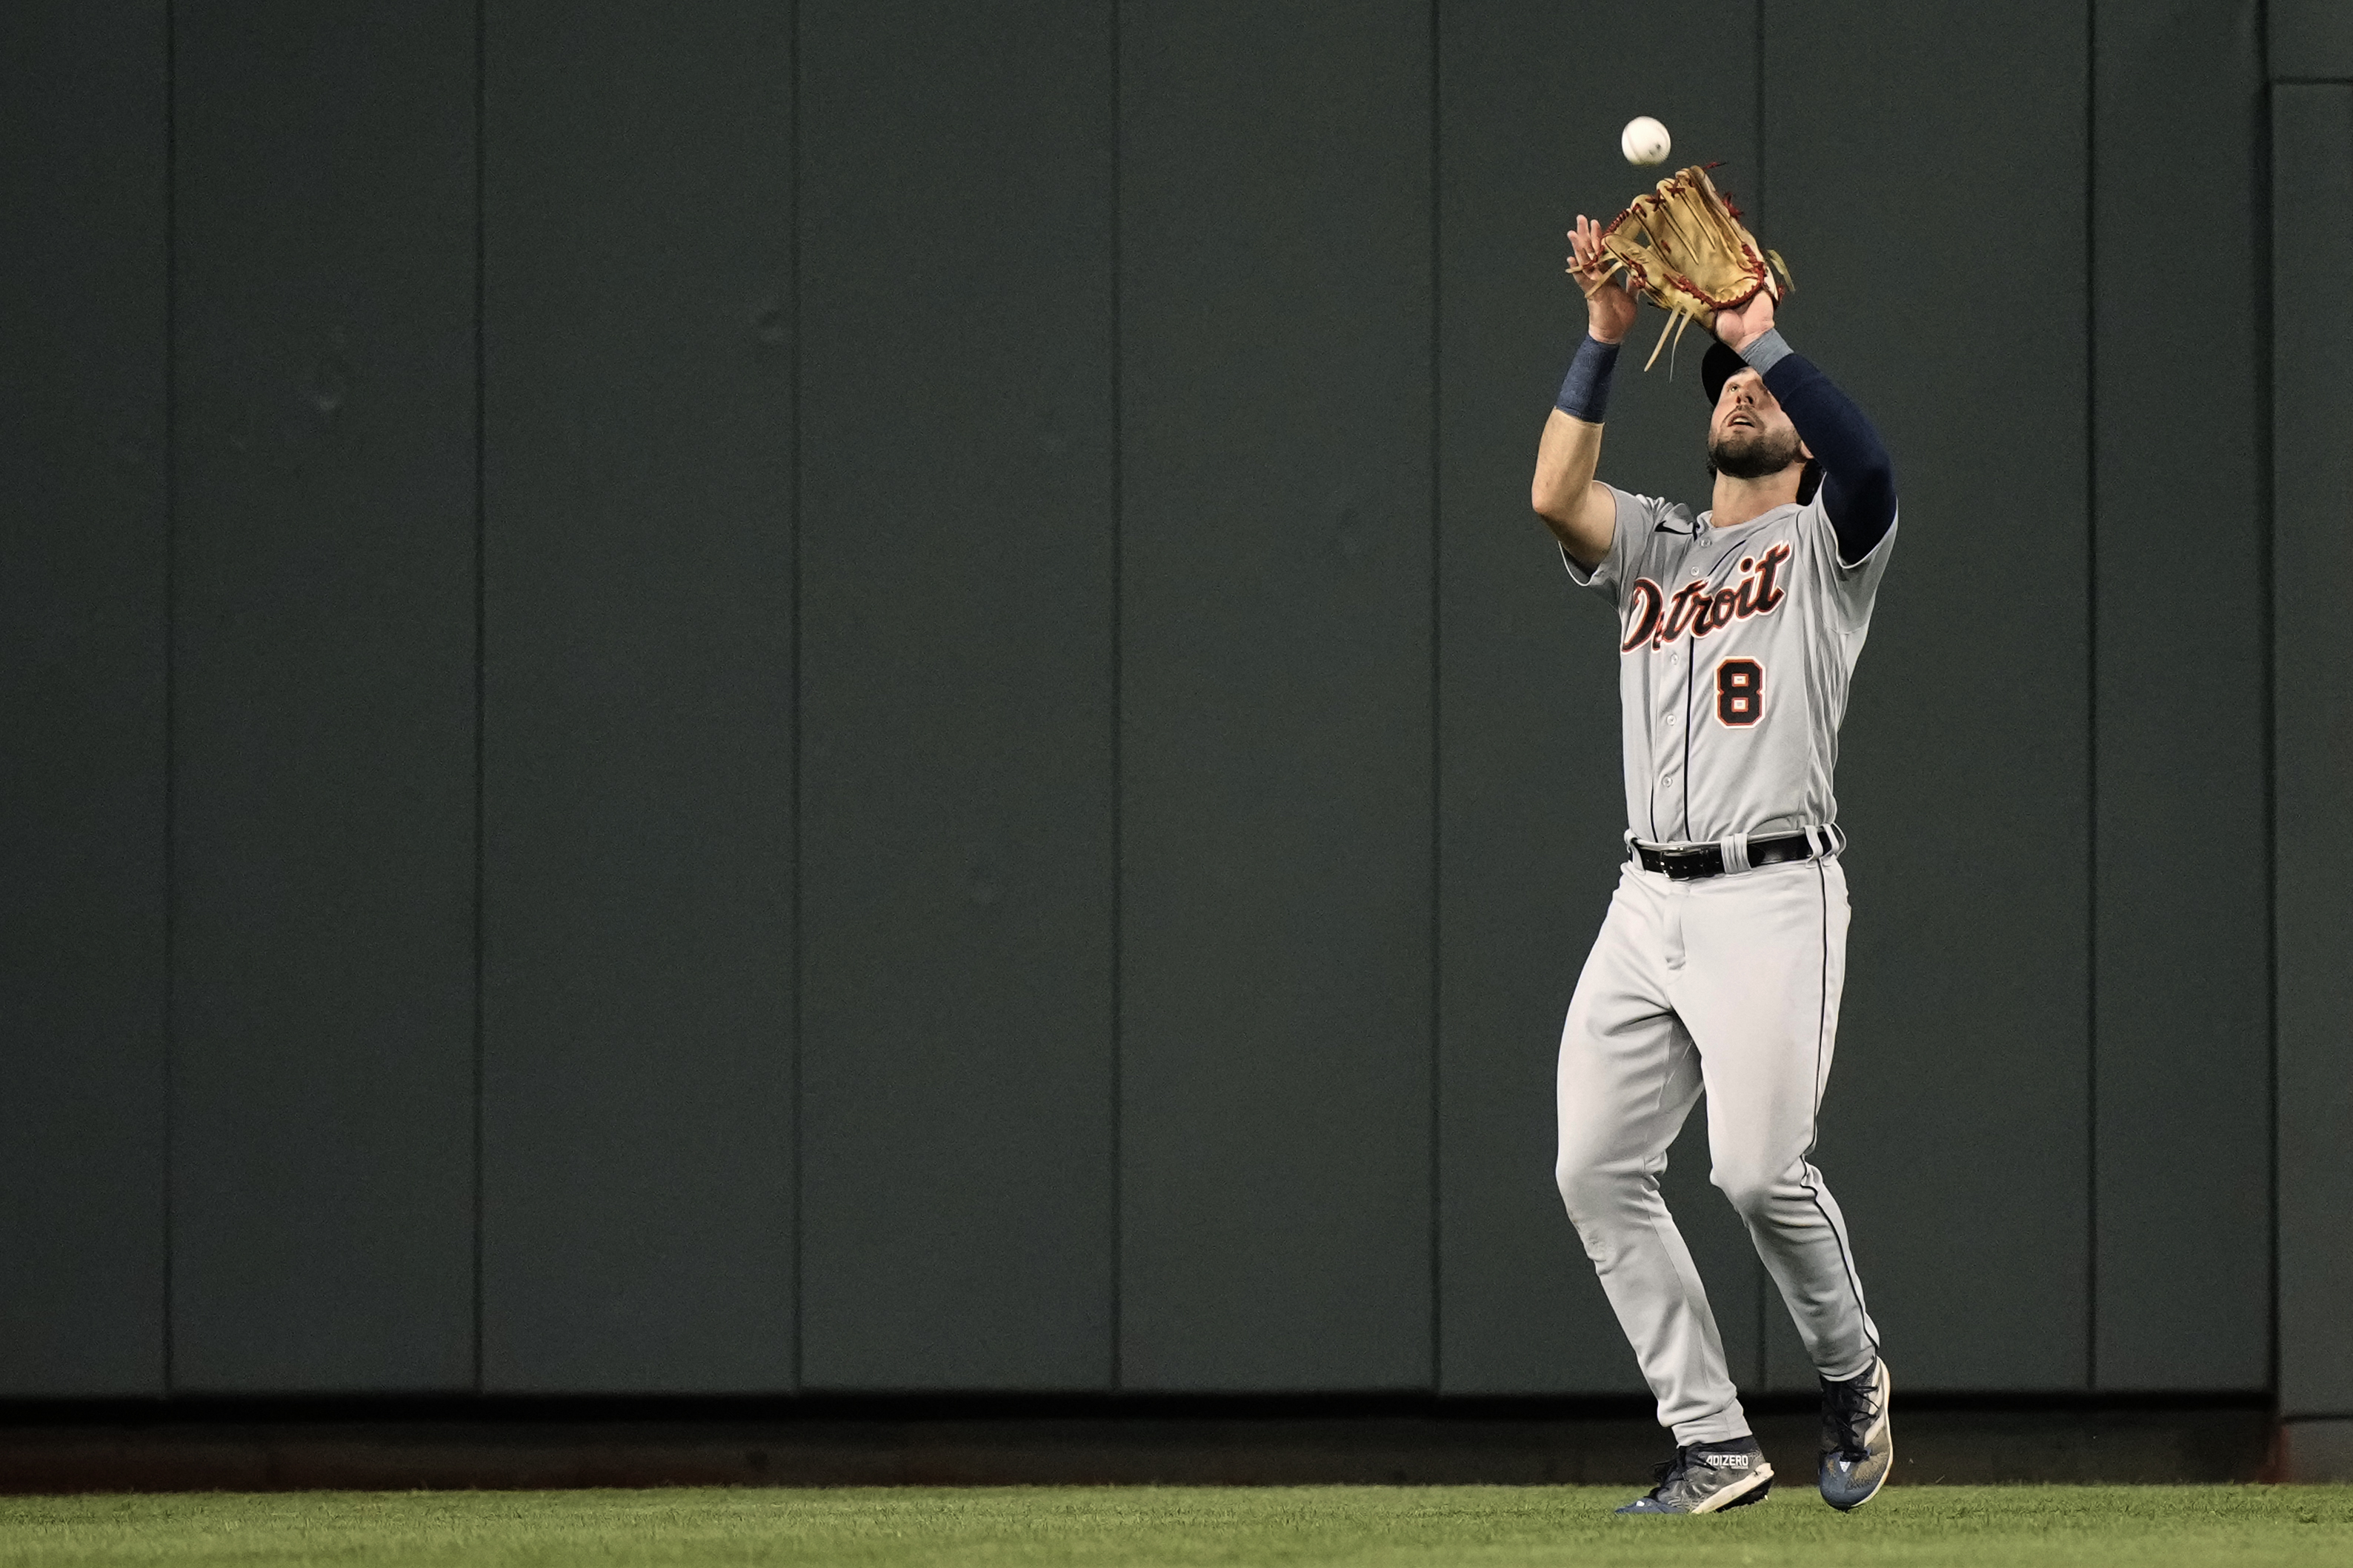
1858	1440
1707	1478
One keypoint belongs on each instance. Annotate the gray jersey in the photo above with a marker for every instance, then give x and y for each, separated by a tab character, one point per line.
1735	648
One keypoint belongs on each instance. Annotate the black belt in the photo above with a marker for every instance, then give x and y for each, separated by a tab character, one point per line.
1699	860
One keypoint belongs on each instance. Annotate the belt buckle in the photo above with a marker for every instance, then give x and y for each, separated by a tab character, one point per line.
1685	865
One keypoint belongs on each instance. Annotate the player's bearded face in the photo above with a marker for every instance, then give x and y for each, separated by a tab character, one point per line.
1750	438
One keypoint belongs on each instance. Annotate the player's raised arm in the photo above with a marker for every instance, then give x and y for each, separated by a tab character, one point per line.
1857	476
1580	513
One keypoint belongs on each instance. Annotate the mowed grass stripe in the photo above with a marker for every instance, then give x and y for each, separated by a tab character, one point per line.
2145	1527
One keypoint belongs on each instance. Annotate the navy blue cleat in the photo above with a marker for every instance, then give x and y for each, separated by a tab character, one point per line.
1858	1442
1704	1477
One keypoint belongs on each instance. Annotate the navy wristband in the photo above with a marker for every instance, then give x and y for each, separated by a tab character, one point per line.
1585	390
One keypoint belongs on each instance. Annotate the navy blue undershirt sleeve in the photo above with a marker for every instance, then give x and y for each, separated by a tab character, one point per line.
1858	478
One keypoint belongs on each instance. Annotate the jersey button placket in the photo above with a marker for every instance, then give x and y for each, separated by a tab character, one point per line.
1670	725
1675	691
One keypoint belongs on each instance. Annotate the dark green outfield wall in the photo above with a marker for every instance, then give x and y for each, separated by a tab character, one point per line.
2312	752
859	696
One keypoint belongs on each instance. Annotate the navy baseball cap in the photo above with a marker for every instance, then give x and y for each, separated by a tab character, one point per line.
1720	366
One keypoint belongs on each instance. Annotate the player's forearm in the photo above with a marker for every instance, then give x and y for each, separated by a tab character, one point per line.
1566	460
1563	489
1857	476
1564	493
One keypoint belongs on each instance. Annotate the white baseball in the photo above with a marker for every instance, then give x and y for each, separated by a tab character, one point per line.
1644	140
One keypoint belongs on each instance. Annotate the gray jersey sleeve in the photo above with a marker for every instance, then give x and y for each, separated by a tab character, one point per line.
1630	546
1848	592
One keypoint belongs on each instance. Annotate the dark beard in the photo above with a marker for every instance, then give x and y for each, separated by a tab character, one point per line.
1754	457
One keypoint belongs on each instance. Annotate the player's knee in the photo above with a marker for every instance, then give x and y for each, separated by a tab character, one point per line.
1748	1188
1589	1184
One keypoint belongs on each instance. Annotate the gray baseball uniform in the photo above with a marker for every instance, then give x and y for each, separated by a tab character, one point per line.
1737	646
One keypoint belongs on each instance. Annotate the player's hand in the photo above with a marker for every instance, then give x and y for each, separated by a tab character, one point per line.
1608	308
1740	328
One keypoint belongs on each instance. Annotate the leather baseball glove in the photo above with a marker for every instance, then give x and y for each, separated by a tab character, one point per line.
1685	248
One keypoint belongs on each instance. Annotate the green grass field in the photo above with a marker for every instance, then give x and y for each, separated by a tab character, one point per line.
2145	1527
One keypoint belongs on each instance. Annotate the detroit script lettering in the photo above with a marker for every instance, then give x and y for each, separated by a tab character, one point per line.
1651	617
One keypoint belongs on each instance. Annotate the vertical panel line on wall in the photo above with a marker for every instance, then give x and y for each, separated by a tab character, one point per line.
800	663
2091	695
1118	514
1437	736
1758	57
171	600
2266	503
481	71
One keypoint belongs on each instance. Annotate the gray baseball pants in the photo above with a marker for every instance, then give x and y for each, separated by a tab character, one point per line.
1730	983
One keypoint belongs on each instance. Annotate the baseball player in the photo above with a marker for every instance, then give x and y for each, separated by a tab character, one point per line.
1720	963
